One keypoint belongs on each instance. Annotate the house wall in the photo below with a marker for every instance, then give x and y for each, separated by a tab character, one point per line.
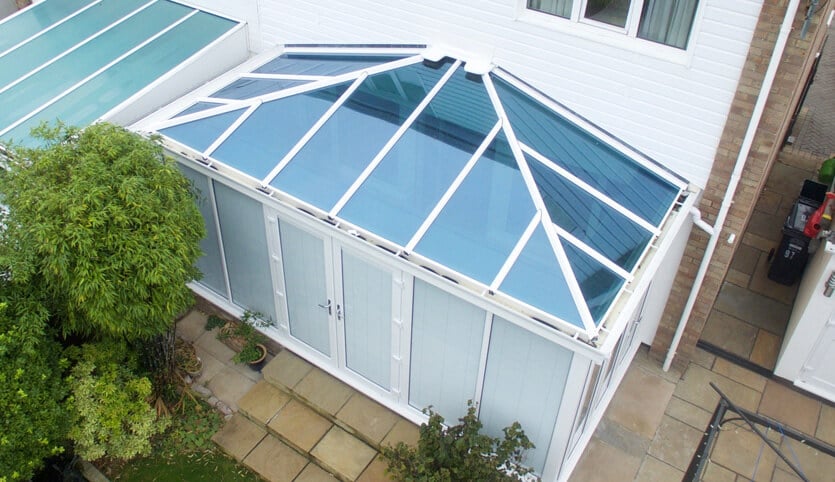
669	103
792	73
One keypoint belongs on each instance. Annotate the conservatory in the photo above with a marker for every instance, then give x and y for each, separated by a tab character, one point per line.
431	230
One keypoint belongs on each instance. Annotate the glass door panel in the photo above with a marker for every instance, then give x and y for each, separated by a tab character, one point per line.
367	303
309	304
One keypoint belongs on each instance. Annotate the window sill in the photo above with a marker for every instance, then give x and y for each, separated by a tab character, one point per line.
612	38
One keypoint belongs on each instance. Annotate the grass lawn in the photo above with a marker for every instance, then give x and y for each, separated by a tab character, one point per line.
186	452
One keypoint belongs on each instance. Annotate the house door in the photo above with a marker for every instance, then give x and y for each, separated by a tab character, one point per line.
817	374
340	304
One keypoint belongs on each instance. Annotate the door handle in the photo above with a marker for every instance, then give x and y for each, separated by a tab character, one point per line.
326	306
339	312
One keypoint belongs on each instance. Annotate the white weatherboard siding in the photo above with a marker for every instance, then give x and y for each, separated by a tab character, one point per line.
674	109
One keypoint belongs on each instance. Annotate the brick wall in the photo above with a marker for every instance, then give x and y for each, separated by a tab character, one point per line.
794	69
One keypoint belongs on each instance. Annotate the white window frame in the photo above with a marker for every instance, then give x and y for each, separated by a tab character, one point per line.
623	38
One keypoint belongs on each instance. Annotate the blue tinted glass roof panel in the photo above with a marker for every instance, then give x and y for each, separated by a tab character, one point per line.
201	133
588	219
107	90
413	176
249	88
322	64
69	70
333	158
36	18
599	285
273	129
536	279
587	157
197	107
45	48
482	222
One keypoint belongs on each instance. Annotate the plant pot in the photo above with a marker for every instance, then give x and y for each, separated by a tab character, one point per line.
195	371
258	364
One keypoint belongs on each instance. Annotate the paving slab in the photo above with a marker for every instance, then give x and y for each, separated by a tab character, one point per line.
816	466
211	366
639	403
246	370
275	461
286	369
766	349
703	358
403	431
603	463
729	333
323	391
211	345
675	443
615	435
375	472
716	473
826	425
300	425
654	470
760	283
788	406
368	418
739	374
688	413
754	308
239	436
694	387
192	326
229	386
314	473
741	450
343	454
263	401
745	259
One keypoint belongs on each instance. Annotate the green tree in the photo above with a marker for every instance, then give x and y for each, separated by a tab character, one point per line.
459	453
109	405
104	227
33	420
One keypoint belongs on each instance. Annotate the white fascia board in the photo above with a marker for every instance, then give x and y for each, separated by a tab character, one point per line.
591	190
612	141
547	222
314	129
73	48
97	73
456	183
47	29
393	140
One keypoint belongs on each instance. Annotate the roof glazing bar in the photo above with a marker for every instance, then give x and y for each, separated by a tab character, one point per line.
299	89
354	49
548	224
229	130
393	140
313	130
98	72
253	75
591	190
594	253
517	250
75	47
410	246
597	131
54	25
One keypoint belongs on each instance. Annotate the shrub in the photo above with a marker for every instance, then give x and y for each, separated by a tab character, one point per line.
459	453
109	404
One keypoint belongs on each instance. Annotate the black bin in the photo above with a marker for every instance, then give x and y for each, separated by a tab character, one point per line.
791	256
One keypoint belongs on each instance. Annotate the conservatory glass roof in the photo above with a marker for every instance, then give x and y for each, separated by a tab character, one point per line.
75	60
474	172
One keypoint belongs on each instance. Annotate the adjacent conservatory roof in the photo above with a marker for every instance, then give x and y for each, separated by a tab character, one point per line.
472	174
75	60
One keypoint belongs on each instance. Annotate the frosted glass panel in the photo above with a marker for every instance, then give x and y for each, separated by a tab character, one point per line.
367	295
210	263
303	257
446	348
245	246
533	399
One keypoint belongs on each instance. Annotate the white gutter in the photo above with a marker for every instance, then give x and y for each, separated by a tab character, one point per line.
736	175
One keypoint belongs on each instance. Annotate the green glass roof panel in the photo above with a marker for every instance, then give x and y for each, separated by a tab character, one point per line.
483	221
537	279
357	131
322	64
61	75
267	135
588	219
599	285
38	17
412	177
586	156
74	31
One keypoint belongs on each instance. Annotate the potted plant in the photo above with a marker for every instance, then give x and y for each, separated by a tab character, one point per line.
186	358
243	337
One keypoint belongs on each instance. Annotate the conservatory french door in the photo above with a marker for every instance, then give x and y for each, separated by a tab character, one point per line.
340	306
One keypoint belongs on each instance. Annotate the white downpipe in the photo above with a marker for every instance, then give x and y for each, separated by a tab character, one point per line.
736	175
699	222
